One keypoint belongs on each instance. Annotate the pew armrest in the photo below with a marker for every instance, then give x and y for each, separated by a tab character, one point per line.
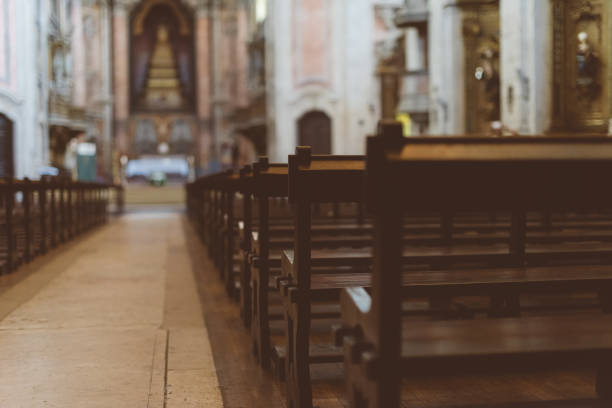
355	306
287	263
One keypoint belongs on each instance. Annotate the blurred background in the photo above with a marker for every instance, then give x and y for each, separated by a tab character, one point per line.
151	93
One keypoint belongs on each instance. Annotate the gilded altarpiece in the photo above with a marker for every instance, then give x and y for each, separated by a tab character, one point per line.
481	31
581	65
162	79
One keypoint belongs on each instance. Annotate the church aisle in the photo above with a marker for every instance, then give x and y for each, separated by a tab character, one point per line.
113	320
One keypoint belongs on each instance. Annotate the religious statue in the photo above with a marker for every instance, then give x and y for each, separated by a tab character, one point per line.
145	139
488	74
587	67
59	68
180	137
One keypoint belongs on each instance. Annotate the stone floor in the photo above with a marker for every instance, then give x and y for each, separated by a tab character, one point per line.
111	320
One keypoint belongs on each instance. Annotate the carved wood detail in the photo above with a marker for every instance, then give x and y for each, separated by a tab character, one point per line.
581	62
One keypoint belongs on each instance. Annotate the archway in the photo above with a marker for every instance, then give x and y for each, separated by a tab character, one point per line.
7	165
314	129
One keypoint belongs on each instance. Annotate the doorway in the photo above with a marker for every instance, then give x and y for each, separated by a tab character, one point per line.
7	166
314	129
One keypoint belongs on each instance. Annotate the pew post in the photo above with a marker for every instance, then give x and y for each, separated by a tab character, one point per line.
98	205
518	237
259	310
229	236
213	220
206	211
10	203
69	211
360	213
120	198
386	281
62	213
603	383
297	362
220	243
336	210
87	204
42	202
81	204
245	245
53	209
27	222
547	220
77	209
605	298
447	227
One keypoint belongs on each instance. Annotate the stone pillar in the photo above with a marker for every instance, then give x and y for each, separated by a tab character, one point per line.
107	84
121	57
447	66
242	56
526	61
203	59
217	41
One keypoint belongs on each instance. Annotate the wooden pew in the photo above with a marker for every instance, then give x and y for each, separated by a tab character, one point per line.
230	186
269	181
244	236
516	175
212	207
329	178
36	215
268	186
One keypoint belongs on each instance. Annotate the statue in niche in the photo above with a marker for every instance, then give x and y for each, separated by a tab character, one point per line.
180	137
488	73
145	139
59	71
587	67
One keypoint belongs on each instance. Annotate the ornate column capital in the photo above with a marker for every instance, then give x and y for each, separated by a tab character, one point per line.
201	7
123	7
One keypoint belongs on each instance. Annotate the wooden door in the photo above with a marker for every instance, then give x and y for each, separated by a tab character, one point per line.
6	147
314	129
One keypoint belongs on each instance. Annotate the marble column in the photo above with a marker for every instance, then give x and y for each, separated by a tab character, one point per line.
203	59
107	87
447	66
526	61
121	57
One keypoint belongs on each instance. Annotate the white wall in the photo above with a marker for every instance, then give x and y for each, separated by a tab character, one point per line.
24	103
352	99
28	152
361	95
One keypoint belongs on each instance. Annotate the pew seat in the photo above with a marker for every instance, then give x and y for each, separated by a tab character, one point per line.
494	345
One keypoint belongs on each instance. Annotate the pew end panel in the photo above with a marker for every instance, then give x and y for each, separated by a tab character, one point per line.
269	182
312	179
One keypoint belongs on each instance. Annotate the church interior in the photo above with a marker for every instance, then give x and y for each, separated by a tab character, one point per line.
305	203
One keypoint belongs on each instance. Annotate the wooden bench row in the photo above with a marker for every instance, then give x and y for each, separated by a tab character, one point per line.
38	215
445	246
382	346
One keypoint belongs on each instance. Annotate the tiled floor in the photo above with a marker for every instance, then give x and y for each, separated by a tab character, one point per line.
111	321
